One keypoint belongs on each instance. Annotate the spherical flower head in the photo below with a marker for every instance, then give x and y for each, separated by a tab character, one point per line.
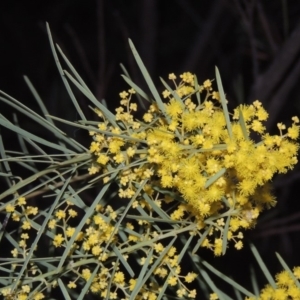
207	84
21	201
187	77
52	224
26	225
70	231
174	108
72	285
296	272
239	245
293	132
119	277
172	280
58	240
166	93
86	274
172	76
9	208
190	277
60	214
123	95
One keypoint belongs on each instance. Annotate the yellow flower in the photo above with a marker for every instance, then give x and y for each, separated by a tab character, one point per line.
26	288
293	132
21	201
123	95
72	285
119	277
95	147
190	277
296	272
26	225
30	210
207	84
166	93
15	217
130	152
60	214
172	280
58	239
14	252
102	159
187	77
38	296
148	117
70	231
52	224
213	296
86	274
174	108
72	213
239	245
281	126
25	236
9	208
172	76
133	106
283	279
193	294
159	247
93	170
22	296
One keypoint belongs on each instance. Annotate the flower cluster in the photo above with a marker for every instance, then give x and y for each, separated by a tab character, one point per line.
99	241
217	170
21	212
187	163
286	287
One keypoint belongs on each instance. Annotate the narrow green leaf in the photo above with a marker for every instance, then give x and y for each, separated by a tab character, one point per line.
155	220
148	79
211	283
140	282
185	248
263	266
78	77
59	134
111	117
227	279
63	289
197	88
225	233
200	241
123	261
243	125
254	281
214	178
33	137
61	72
224	104
111	279
77	159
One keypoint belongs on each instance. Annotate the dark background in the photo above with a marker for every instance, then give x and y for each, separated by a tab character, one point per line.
254	43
